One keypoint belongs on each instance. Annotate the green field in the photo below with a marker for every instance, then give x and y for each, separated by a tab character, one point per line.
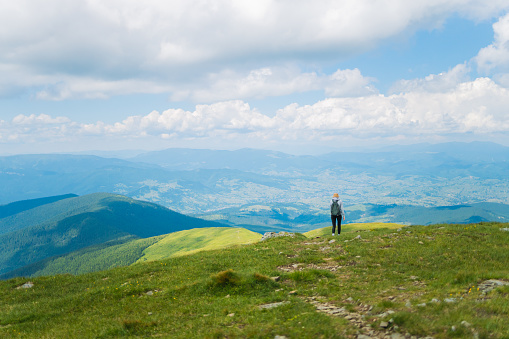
195	240
417	281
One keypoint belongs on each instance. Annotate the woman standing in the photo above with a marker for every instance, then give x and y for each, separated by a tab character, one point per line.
336	212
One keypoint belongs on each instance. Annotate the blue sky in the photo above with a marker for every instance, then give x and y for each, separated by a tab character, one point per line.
301	77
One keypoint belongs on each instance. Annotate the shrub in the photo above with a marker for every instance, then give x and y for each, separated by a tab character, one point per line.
260	277
226	278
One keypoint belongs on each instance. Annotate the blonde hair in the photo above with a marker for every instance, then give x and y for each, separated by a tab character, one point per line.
335	195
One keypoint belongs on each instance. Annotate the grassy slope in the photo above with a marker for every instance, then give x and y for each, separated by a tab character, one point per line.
195	240
185	297
348	228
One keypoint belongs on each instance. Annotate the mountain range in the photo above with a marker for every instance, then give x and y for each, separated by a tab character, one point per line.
200	181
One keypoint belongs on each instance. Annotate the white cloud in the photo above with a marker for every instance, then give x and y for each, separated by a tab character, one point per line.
276	81
62	49
41	119
478	107
496	55
434	83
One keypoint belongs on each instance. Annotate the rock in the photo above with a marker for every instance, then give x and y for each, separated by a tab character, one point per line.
292	292
363	336
408	304
450	300
436	301
149	313
227	296
505	229
420	242
28	284
350	299
489	285
466	324
280	337
421	305
272	305
276	279
384	324
332	241
269	235
358	237
231	314
453	328
150	293
397	336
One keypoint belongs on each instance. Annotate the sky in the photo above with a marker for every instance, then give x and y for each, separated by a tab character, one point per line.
303	77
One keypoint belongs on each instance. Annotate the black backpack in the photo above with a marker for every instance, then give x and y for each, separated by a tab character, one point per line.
334	209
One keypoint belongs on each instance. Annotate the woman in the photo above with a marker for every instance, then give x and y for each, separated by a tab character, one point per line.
336	211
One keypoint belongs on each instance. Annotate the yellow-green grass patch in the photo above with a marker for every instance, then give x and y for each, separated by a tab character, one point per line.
198	239
346	228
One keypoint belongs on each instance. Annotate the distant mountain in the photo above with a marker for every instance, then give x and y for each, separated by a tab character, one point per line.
119	253
70	224
448	160
247	159
419	215
201	181
25	177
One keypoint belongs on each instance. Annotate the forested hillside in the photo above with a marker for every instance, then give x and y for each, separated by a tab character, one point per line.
74	223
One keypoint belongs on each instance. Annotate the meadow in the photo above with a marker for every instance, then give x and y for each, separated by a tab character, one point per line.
415	281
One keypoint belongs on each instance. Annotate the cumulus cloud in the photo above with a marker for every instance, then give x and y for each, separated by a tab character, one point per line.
434	83
496	56
42	119
477	107
276	81
94	49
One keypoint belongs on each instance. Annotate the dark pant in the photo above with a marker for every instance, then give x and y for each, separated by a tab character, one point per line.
334	218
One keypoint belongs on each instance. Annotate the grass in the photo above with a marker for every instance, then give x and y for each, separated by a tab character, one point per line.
348	228
195	240
217	294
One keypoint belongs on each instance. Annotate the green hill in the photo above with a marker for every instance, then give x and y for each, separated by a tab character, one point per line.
71	224
191	241
440	281
123	253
